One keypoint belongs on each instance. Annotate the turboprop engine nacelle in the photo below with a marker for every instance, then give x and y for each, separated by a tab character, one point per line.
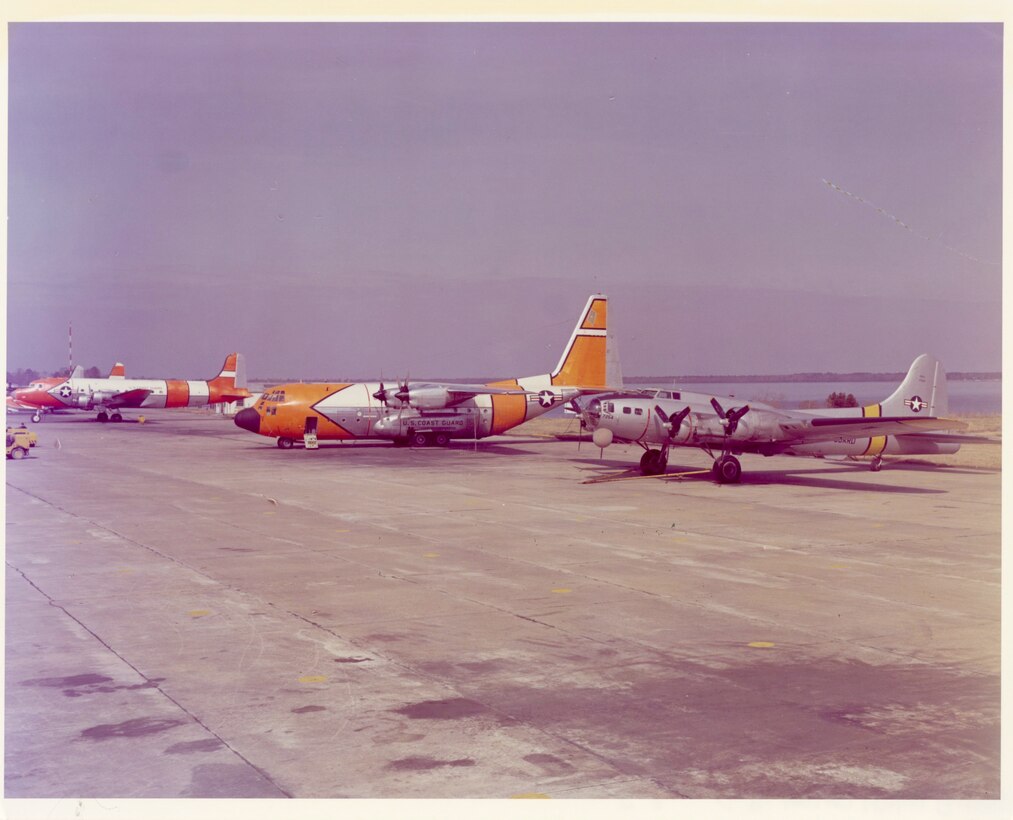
427	398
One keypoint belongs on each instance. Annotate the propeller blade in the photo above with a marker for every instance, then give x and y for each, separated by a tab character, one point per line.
674	421
734	415
718	408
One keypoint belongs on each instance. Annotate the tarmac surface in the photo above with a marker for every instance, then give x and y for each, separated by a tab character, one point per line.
192	612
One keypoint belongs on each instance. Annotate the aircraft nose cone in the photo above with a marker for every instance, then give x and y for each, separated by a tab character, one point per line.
248	419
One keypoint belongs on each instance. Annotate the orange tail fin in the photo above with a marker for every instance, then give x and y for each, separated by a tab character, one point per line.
230	383
583	361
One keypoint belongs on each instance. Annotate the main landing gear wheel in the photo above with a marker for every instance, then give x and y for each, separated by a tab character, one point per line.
116	417
653	463
727	470
441	439
285	443
877	464
102	417
420	439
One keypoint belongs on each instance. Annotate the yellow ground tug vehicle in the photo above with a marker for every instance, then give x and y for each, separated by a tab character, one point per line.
19	441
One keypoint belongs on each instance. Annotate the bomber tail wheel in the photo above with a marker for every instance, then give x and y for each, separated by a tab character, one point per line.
877	464
727	470
285	443
36	418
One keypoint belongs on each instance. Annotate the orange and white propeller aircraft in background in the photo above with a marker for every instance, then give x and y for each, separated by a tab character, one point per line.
423	413
29	399
116	392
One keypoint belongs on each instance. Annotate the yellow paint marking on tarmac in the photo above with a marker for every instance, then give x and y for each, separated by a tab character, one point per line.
198	613
530	796
268	512
838	566
626	476
342	530
562	590
762	644
124	570
430	555
312	679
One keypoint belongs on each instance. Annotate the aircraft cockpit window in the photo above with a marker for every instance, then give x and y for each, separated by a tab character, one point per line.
609	407
664	394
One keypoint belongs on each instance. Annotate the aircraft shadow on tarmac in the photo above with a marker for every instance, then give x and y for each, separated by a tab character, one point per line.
794	477
385	449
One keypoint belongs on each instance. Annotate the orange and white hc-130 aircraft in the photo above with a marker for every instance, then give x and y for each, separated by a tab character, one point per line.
117	392
424	413
908	422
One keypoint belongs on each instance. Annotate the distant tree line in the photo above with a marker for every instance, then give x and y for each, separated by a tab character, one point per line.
833	400
25	376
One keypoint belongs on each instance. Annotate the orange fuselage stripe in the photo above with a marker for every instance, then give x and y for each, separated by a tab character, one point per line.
177	393
507	411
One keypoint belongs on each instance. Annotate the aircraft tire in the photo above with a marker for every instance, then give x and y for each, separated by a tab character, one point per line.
727	470
102	417
116	417
876	465
36	418
18	453
421	439
441	439
653	463
285	443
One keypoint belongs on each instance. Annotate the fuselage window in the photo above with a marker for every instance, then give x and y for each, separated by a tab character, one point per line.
638	412
626	410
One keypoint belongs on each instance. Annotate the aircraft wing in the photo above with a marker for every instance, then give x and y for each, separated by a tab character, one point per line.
822	429
464	391
128	398
18	406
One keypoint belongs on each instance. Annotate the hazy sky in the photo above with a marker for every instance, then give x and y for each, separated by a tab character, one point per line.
339	199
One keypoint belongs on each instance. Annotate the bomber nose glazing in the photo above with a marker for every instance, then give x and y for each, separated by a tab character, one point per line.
248	419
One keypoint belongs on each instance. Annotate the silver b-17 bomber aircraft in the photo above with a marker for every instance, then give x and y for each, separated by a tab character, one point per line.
908	422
